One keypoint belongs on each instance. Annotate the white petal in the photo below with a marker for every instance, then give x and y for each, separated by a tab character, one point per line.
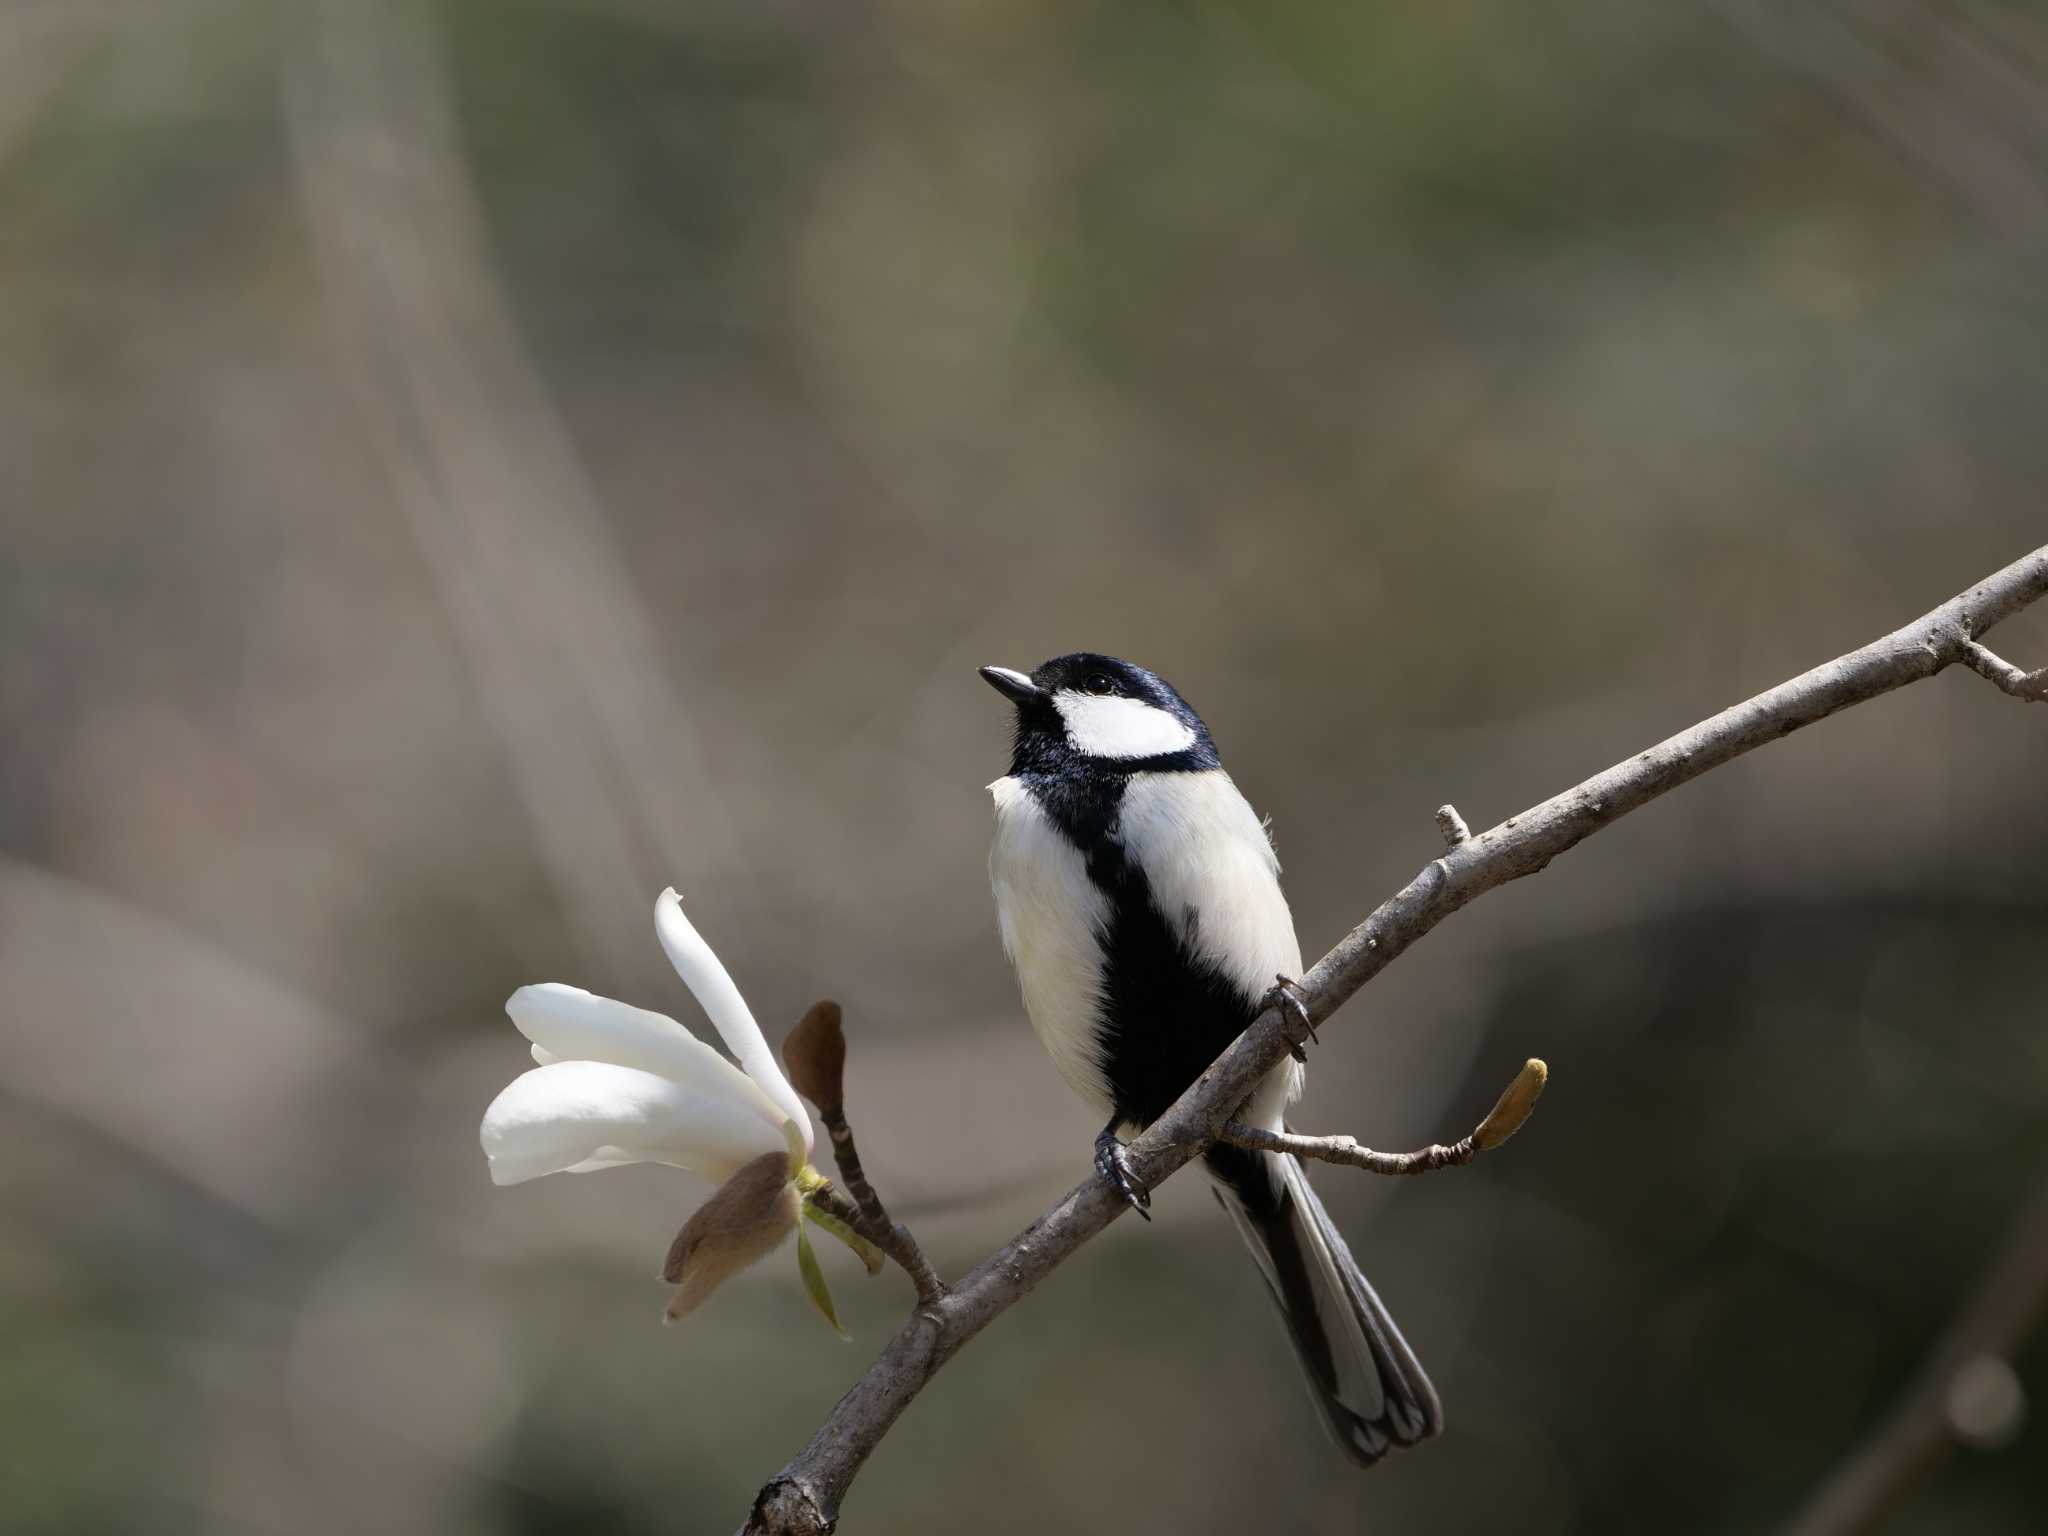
708	982
603	1157
578	1113
569	1024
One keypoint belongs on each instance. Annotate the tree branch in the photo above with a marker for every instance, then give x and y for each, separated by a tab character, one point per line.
805	1496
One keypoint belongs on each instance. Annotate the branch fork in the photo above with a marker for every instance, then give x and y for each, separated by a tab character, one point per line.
2030	686
815	1053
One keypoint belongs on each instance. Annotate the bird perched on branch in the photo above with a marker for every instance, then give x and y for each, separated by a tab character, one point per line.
1139	899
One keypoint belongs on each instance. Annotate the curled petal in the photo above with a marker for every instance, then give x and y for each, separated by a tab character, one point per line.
603	1157
578	1115
709	983
569	1024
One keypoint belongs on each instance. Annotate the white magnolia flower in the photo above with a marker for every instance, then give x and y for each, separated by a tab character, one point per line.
617	1084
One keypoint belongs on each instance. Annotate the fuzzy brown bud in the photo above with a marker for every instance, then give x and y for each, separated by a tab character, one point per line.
815	1054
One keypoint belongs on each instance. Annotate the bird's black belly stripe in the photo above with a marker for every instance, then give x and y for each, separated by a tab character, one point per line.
1164	1014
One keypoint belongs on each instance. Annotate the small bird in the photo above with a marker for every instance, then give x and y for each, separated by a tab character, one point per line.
1139	899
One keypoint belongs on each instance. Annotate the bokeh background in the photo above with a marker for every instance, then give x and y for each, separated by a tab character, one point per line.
468	465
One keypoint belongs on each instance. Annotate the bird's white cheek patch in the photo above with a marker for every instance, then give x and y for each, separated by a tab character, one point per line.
1112	727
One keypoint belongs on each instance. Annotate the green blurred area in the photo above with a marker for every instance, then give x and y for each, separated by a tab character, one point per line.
1451	400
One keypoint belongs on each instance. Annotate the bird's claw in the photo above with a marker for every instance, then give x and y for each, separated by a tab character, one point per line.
1114	1164
1285	994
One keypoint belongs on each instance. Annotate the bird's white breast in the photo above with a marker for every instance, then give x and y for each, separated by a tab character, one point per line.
1213	876
1052	919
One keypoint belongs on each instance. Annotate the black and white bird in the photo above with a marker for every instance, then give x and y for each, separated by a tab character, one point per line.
1139	899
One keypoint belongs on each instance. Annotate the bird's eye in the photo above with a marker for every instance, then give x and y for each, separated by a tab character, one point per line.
1100	682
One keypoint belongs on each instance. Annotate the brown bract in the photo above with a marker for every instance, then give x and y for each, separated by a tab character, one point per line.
749	1214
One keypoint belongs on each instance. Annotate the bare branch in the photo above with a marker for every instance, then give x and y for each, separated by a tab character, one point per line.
2031	686
1965	1375
1506	1117
806	1494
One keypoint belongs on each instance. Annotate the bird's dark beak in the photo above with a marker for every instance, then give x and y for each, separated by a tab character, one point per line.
1014	686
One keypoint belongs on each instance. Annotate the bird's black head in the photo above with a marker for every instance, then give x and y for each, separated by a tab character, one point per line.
1091	711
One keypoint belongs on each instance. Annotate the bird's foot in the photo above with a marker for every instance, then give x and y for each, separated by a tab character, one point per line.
1114	1164
1286	995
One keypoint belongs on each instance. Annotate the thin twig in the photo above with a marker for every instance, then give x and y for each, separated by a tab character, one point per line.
1924	1427
2031	686
1501	1122
872	1218
1347	1151
805	1496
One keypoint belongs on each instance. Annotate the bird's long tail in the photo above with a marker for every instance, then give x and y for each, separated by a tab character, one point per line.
1364	1378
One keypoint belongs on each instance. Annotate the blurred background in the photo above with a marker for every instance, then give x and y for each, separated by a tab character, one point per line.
468	465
